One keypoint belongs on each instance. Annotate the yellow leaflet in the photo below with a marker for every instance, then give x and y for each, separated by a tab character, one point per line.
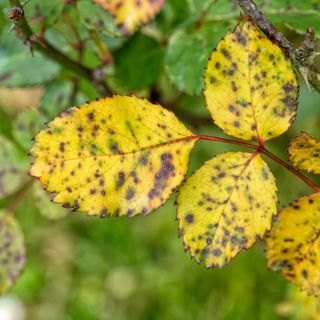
12	254
304	152
251	89
129	14
226	206
299	305
293	246
113	156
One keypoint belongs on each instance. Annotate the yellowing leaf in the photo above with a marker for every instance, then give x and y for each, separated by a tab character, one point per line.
304	152
298	305
251	89
113	156
12	253
226	206
129	14
293	246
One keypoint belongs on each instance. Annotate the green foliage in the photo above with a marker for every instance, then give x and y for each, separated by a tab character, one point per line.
135	153
56	97
44	13
95	19
26	125
294	13
18	68
12	253
131	60
13	167
45	205
187	55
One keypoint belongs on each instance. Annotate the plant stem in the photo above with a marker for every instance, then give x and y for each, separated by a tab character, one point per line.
230	141
204	13
302	57
40	44
291	169
264	151
18	196
251	9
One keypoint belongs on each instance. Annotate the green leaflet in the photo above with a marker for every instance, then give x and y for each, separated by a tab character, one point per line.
138	63
13	167
187	55
26	125
12	251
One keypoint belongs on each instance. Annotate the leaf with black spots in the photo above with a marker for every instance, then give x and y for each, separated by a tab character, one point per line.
12	251
13	167
26	125
113	156
293	246
226	206
56	97
129	14
304	152
93	18
43	13
251	88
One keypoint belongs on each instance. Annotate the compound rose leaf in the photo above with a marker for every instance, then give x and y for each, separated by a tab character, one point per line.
293	246
113	156
251	89
304	152
225	206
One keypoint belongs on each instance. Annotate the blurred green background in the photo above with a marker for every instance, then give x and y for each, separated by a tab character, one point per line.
83	267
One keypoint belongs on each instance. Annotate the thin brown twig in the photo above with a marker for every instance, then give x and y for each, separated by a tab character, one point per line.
291	169
264	151
18	196
302	57
24	31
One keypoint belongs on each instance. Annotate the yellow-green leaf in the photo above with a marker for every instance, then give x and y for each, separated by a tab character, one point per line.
299	305
48	209
226	206
304	152
12	253
293	246
113	156
13	167
129	14
251	89
28	123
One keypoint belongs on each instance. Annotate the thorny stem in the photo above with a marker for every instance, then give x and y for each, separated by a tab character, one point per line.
302	57
250	8
262	150
24	31
18	196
